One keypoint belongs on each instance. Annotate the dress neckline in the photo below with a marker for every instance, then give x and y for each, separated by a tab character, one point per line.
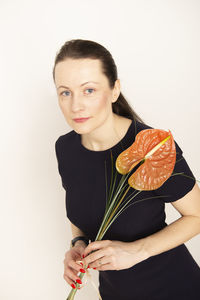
115	147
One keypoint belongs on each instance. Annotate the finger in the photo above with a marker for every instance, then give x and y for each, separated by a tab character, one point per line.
69	276
76	273
94	256
76	266
94	246
68	280
103	259
105	267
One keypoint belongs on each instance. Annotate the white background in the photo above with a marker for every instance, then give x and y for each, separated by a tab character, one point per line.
156	47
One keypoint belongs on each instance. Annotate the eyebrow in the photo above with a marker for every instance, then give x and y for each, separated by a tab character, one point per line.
62	86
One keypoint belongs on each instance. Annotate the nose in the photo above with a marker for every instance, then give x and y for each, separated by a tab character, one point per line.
77	103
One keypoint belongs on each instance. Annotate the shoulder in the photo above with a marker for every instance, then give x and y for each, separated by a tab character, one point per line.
65	142
141	126
65	137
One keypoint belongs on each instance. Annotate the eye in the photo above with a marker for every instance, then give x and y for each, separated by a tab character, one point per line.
64	92
89	90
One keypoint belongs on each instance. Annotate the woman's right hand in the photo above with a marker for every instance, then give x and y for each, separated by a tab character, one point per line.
71	268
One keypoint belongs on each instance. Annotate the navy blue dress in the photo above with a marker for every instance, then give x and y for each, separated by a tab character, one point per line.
171	275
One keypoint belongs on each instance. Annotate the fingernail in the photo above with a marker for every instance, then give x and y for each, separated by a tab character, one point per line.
88	266
81	264
82	270
79	281
73	285
83	255
94	268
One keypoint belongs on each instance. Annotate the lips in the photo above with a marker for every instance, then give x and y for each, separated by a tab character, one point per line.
81	120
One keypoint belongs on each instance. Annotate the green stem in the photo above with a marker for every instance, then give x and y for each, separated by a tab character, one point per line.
73	291
113	212
185	176
109	210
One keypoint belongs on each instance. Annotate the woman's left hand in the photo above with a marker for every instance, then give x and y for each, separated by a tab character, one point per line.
114	255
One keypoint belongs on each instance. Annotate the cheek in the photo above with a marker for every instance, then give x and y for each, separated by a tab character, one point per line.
65	110
63	105
100	104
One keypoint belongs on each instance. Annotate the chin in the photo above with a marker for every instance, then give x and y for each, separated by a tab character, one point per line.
81	129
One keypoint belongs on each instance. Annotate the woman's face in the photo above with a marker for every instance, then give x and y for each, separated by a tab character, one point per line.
83	91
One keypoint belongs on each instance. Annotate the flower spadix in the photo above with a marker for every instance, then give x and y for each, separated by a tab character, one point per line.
156	150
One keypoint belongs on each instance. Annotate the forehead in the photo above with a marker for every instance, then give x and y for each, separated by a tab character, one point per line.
72	72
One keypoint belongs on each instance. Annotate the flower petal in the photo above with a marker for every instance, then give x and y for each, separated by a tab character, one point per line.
157	167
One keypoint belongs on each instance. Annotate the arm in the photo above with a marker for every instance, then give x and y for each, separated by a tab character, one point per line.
77	232
180	230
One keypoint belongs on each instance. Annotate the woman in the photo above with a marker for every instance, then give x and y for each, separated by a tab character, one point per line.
150	257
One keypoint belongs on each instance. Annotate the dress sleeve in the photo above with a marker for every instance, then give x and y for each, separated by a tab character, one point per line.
177	185
58	157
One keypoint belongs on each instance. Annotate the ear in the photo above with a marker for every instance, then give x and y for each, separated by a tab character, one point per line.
116	91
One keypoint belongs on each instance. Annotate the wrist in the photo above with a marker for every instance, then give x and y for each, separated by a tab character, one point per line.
144	248
80	243
79	240
140	246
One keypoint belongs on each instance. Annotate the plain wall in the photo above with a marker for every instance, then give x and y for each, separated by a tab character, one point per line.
156	47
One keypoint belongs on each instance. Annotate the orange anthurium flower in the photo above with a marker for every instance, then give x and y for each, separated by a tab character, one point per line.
156	149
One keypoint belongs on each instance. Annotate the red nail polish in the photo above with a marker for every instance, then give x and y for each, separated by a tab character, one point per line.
83	255
82	270
79	281
94	268
88	266
73	285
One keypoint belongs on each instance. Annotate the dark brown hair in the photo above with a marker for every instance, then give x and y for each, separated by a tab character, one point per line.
79	48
